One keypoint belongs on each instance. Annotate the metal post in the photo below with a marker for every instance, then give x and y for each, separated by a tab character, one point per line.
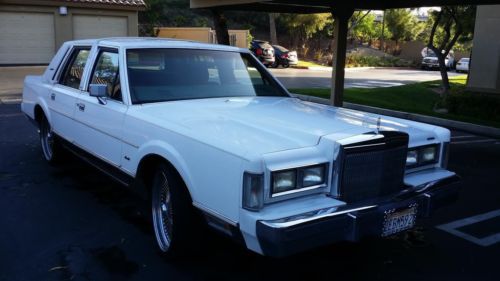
341	18
221	30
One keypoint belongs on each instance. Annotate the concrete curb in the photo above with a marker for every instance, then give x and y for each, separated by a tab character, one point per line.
458	125
348	69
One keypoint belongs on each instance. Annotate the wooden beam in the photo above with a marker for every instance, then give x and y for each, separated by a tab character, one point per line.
341	18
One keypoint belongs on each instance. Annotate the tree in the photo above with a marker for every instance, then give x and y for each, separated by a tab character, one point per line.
402	25
450	25
303	26
151	17
272	29
362	26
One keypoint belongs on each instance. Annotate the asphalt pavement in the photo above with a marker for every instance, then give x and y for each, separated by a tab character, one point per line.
71	222
355	77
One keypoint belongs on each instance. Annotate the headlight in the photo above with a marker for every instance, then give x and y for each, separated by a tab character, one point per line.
424	155
292	180
312	176
284	181
429	154
412	157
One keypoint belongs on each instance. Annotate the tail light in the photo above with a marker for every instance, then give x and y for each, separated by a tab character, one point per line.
258	52
284	56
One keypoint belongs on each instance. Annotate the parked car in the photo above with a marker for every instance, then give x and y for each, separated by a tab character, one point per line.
463	65
284	57
207	130
263	51
430	61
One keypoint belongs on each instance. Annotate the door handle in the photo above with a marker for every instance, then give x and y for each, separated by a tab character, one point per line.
81	106
53	96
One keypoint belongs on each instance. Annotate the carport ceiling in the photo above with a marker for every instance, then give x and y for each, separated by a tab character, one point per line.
326	6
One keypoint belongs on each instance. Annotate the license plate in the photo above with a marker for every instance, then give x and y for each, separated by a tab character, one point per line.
398	221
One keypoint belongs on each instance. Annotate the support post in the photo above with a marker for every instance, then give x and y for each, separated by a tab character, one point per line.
220	24
341	18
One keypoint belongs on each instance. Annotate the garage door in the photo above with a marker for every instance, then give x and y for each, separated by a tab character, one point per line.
26	38
85	27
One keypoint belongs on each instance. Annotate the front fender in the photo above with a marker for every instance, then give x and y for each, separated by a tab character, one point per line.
170	154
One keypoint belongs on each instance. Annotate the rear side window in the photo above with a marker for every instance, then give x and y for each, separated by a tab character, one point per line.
73	71
106	72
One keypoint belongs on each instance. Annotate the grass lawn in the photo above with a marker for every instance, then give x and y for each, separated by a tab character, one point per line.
415	98
307	64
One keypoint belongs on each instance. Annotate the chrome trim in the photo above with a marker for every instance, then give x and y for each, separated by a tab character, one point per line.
360	138
317	215
215	214
275	195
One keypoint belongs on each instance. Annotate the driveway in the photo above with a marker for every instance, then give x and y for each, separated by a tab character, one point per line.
355	78
72	223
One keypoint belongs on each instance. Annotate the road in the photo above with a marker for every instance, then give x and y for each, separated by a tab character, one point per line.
355	78
73	223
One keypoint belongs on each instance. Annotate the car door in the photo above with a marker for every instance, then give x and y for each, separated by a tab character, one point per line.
100	120
64	93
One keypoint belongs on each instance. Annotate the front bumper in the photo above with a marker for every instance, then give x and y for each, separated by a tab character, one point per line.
351	222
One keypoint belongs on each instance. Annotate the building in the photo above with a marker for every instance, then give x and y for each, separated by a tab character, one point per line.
484	74
238	38
31	31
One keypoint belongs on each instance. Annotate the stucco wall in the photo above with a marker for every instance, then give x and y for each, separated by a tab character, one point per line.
485	63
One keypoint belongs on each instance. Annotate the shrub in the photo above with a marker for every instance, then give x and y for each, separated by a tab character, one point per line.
477	105
356	60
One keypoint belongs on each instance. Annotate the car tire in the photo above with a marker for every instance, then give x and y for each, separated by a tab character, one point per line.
52	149
174	218
286	65
275	64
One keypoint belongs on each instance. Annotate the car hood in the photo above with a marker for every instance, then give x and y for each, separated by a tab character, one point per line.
259	125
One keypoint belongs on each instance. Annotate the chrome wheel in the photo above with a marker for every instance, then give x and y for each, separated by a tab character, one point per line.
162	211
46	139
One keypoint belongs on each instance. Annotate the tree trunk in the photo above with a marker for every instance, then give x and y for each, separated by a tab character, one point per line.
444	76
272	29
220	23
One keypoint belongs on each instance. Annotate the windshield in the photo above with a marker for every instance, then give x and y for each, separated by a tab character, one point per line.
157	75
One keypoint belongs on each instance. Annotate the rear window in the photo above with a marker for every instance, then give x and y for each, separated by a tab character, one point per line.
464	60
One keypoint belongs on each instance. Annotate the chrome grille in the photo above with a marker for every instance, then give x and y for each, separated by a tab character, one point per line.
374	169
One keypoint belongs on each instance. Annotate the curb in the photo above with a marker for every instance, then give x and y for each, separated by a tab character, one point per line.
348	69
458	125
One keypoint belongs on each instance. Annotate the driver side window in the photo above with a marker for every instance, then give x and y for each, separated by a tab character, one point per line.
107	72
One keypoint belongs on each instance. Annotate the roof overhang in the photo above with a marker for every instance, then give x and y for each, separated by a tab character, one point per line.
95	4
325	6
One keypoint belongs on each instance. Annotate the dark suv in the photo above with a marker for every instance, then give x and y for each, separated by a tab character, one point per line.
263	51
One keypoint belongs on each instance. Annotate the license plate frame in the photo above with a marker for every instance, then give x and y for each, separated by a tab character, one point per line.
399	220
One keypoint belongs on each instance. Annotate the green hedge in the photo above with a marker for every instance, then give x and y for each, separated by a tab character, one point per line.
353	60
477	105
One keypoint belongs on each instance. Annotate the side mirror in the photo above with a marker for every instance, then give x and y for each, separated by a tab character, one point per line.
99	91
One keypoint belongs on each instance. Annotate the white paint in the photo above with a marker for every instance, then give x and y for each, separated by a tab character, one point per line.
486	241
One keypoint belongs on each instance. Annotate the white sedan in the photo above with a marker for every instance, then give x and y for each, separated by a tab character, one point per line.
463	65
208	133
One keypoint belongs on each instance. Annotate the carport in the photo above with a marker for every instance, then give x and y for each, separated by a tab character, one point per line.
341	12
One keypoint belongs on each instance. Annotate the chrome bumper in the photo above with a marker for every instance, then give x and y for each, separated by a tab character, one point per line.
351	222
